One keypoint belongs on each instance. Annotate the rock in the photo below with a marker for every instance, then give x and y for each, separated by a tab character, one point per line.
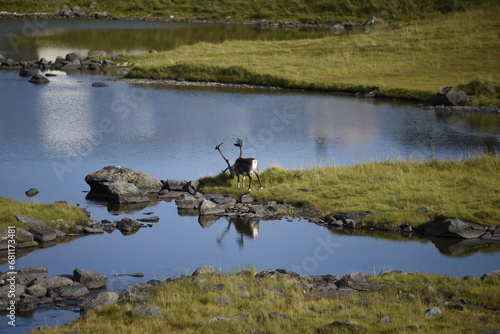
77	55
450	96
208	207
100	181
41	231
333	294
99	84
89	278
330	220
433	311
39	79
343	324
491	274
406	227
276	315
223	301
187	201
454	228
93	230
204	270
36	290
27	275
53	283
355	216
175	184
146	311
73	290
102	299
151	219
7	289
128	225
97	53
122	192
191	187
368	94
246	199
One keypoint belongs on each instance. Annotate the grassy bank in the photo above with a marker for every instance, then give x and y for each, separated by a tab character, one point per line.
299	10
410	61
49	213
282	306
393	191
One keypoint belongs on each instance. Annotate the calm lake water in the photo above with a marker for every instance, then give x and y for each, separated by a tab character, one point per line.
52	135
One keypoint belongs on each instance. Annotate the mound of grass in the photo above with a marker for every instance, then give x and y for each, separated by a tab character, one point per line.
272	305
48	213
408	61
393	191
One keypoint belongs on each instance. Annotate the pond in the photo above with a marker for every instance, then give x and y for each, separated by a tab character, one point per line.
52	135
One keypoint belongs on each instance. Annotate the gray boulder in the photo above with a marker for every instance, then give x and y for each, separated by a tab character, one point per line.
41	231
101	180
187	201
53	283
454	228
122	192
127	225
450	96
208	207
25	276
146	311
73	290
89	278
204	270
102	299
77	55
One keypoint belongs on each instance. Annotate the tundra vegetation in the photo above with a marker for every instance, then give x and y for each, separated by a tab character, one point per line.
214	303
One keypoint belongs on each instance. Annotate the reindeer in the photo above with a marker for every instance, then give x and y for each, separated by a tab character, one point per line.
242	166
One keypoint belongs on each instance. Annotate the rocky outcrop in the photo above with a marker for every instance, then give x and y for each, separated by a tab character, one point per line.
450	96
33	288
122	185
40	230
455	228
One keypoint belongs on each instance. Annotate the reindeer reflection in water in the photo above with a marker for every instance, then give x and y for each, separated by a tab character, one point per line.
244	227
242	166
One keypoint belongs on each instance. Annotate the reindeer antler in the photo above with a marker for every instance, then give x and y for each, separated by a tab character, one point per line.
239	143
223	157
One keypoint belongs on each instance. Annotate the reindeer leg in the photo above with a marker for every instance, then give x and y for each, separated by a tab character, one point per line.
238	176
258	178
250	182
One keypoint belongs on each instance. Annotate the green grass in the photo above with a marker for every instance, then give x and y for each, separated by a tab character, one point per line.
414	61
273	10
188	304
48	213
393	191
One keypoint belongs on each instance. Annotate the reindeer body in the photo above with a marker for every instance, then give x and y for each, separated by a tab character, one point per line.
242	166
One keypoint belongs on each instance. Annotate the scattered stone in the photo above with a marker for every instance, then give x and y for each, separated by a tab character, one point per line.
450	96
89	278
53	283
208	207
223	301
146	311
279	316
102	299
41	231
454	228
151	219
204	270
385	320
32	192
128	225
36	290
491	274
99	84
73	290
434	311
343	324
405	227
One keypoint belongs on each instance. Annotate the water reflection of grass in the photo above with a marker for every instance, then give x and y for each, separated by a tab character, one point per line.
411	61
393	191
275	305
